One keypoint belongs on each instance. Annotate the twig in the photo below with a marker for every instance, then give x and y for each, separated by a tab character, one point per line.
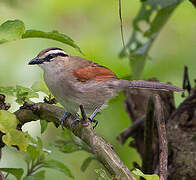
147	162
84	120
163	146
100	148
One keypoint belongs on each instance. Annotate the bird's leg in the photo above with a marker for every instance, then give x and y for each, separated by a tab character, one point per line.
91	118
64	118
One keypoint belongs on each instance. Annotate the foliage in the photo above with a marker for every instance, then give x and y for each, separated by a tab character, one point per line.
21	93
139	173
12	30
69	143
141	39
36	158
8	124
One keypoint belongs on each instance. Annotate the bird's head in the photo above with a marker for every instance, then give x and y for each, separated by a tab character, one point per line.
48	56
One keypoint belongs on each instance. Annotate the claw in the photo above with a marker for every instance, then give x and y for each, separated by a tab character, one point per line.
93	121
74	122
64	118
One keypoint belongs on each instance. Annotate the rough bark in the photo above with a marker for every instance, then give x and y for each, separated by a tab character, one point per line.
99	146
181	131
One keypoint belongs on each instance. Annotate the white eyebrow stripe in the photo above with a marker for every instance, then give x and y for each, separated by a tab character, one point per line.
55	52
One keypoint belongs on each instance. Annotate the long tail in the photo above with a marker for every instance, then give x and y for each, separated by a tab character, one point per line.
153	85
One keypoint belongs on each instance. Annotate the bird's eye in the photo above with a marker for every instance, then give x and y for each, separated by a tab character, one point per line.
50	56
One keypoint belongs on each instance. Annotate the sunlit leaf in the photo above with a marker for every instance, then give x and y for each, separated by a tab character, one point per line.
11	30
54	164
36	176
17	172
7	121
146	176
16	137
43	124
54	35
87	162
8	90
23	94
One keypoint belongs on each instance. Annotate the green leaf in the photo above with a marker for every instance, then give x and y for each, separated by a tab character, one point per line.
102	174
10	91
40	86
54	164
16	137
17	172
39	143
87	162
43	124
11	30
54	35
141	39
33	151
146	176
23	94
37	176
7	121
68	148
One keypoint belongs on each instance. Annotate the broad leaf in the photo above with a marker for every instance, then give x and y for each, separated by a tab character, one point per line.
16	137
11	30
54	35
146	176
54	164
17	172
43	124
7	121
87	162
37	176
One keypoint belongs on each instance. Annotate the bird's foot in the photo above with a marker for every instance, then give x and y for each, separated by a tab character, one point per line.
74	122
64	118
93	121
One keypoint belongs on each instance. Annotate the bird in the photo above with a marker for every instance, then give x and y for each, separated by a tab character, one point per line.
75	81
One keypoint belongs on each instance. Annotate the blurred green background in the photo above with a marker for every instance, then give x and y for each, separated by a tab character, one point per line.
94	25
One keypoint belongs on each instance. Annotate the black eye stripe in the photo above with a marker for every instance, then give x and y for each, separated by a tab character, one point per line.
51	56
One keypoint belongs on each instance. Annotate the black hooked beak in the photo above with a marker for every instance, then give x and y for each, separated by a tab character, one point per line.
36	61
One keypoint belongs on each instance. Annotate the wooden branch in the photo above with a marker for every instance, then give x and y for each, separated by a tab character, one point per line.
163	145
147	162
100	148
